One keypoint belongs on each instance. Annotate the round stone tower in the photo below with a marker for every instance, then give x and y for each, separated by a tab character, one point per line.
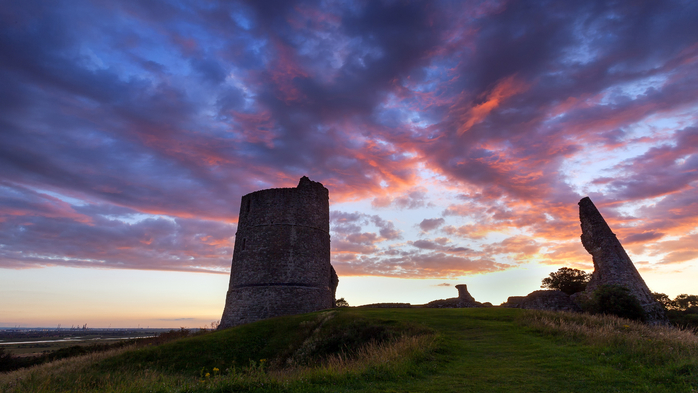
281	260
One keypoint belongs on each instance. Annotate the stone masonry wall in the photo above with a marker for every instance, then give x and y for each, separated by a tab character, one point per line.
281	259
545	300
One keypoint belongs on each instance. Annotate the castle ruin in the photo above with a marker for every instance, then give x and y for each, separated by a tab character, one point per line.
281	258
464	300
542	300
612	265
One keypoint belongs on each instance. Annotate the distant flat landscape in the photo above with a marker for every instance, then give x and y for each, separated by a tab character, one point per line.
34	341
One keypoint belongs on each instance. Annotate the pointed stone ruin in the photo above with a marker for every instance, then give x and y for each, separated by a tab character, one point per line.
611	263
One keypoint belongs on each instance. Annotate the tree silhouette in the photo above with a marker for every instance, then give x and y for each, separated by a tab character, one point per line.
567	280
341	302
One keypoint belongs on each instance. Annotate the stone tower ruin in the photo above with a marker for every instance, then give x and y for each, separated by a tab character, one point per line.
463	295
612	265
281	259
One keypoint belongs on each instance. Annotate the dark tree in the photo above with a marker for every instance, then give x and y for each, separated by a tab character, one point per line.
682	311
341	302
686	302
664	300
683	302
567	280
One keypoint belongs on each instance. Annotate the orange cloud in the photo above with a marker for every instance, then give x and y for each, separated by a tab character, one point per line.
504	89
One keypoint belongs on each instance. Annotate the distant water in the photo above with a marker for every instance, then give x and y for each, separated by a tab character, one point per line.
77	339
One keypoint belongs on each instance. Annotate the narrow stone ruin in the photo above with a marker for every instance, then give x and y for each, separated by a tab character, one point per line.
464	300
463	294
611	263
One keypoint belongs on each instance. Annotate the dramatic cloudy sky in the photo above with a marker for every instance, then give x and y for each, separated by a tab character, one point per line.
455	137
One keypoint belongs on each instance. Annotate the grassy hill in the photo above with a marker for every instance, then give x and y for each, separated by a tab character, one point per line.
393	350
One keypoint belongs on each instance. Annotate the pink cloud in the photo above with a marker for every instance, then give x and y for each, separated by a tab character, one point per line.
179	112
476	113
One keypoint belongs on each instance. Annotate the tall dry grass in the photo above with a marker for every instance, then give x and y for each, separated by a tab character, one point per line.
46	373
370	356
77	374
654	344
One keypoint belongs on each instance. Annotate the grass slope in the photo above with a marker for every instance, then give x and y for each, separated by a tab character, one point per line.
394	350
295	340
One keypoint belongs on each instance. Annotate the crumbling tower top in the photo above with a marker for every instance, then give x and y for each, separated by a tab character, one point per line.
281	259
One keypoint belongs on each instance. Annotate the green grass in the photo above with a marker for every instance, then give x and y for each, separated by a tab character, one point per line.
288	341
394	350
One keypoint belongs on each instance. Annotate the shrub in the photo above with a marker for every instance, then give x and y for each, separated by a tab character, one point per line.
612	299
567	280
6	361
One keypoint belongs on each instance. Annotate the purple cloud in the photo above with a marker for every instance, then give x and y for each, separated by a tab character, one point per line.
429	224
128	138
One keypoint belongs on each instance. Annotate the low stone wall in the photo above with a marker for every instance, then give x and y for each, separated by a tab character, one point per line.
387	305
453	302
543	300
513	301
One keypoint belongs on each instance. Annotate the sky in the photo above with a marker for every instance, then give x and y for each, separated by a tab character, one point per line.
455	138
